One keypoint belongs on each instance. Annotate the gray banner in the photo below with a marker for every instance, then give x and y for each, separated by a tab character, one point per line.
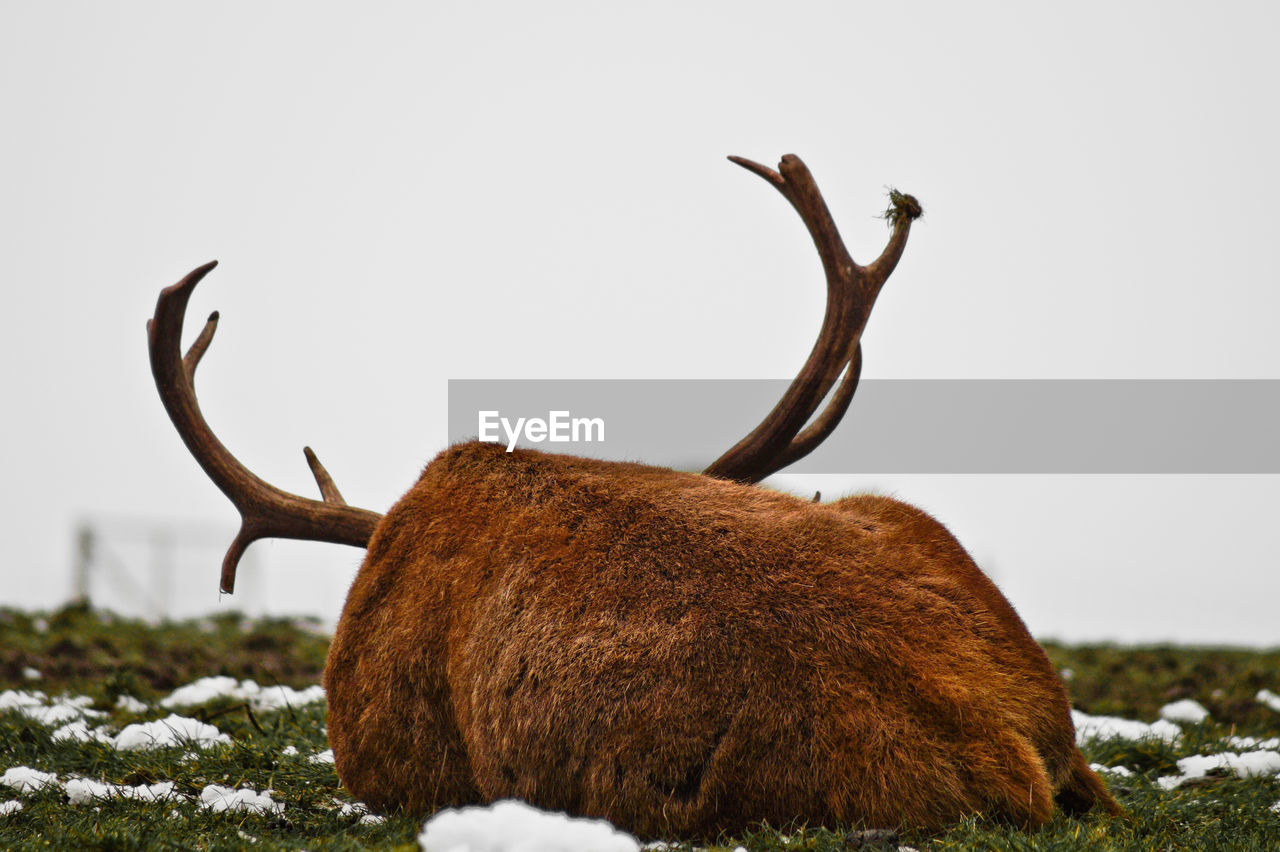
899	426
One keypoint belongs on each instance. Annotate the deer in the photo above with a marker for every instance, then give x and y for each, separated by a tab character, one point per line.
679	653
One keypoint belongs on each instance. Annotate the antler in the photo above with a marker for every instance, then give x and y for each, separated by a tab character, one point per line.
851	291
265	511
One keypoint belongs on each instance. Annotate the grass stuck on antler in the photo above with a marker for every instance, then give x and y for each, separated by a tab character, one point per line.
902	206
126	669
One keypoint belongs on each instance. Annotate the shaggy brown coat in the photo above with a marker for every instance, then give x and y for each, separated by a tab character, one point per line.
682	655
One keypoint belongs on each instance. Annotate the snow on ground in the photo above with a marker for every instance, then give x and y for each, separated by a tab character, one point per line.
171	731
86	791
1263	760
1186	710
261	698
1249	764
22	779
216	798
83	791
71	716
39	707
361	809
1118	771
512	825
75	713
1254	743
79	731
1115	728
505	825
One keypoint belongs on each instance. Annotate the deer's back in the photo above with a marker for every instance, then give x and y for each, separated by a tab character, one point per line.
629	641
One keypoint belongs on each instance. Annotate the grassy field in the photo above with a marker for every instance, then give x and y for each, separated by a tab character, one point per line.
85	653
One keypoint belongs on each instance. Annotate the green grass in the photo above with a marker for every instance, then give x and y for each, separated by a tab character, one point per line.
86	653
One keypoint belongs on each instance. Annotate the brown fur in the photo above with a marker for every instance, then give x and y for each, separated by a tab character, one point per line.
683	655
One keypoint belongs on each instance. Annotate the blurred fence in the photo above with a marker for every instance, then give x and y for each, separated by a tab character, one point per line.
157	569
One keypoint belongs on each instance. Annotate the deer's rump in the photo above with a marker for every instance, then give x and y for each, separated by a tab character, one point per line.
681	654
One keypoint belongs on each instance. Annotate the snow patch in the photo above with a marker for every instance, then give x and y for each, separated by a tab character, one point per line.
1186	710
7	808
1114	728
1253	743
325	756
512	825
129	704
79	731
82	791
175	730
216	798
284	697
360	809
37	706
1248	764
268	698
1118	771
24	779
204	690
1269	698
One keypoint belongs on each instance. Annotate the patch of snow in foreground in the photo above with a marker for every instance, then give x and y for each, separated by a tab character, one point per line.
7	808
1251	763
325	756
1186	710
82	791
284	697
129	704
267	698
1115	728
204	690
1269	698
79	731
38	707
512	825
217	798
1254	743
175	730
361	809
1118	771
22	779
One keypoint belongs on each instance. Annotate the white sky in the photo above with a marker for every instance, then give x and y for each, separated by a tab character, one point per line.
403	193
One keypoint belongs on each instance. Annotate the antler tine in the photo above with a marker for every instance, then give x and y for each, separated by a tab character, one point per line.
197	350
265	511
851	292
327	489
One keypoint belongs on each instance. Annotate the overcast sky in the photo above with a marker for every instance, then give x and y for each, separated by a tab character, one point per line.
404	193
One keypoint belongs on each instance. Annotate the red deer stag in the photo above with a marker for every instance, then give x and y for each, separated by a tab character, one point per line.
678	653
